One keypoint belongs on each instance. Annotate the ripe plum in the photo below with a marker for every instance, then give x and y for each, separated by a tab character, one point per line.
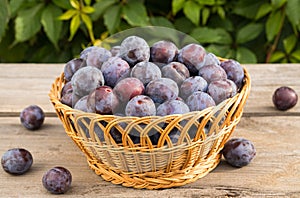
162	89
163	52
114	69
199	100
146	72
193	56
175	71
238	152
134	49
140	106
284	98
57	180
32	117
16	161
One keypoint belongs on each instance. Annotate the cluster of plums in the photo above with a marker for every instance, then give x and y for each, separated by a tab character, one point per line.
18	161
134	79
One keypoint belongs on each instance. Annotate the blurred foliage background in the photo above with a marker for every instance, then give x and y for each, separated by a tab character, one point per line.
54	31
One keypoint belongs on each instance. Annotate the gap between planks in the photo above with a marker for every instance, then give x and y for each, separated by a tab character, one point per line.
246	114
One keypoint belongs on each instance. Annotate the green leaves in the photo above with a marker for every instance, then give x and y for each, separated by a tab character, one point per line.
62	4
245	55
4	17
199	10
76	14
51	24
277	56
289	43
263	10
27	23
277	3
292	12
161	21
192	11
287	54
135	13
112	18
296	56
100	7
74	25
177	5
248	32
247	8
211	35
14	5
273	25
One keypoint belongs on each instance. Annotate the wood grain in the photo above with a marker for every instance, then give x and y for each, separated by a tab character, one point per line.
25	84
274	172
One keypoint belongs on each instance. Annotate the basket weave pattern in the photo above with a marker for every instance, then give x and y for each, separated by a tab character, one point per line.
194	154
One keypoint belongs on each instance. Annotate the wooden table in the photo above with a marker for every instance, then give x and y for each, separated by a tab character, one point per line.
274	172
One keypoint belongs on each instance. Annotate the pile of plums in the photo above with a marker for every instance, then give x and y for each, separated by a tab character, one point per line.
135	79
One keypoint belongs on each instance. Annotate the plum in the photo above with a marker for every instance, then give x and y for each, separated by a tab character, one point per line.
81	104
211	59
162	89
191	85
115	50
114	69
16	161
102	100
57	180
146	72
221	90
284	98
212	73
32	117
193	56
234	71
172	107
140	106
72	66
175	71
134	49
95	56
163	52
199	100
239	152
127	88
66	94
84	81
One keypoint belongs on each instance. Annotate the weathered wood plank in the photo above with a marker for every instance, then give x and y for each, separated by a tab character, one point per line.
274	172
266	78
26	84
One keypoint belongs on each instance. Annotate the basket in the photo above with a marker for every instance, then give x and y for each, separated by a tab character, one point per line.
196	151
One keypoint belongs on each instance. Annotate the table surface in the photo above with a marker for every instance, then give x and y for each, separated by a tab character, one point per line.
274	172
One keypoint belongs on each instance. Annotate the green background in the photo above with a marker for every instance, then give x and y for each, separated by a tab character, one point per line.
55	31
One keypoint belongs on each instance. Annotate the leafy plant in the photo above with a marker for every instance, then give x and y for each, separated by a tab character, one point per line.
79	12
57	30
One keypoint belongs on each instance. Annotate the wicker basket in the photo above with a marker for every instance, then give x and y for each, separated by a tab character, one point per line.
167	164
